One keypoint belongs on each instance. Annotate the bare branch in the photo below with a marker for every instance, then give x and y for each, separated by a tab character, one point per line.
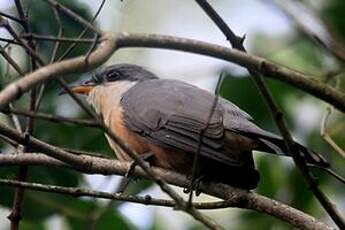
10	61
52	117
123	40
324	134
58	39
85	192
330	172
10	41
265	67
11	17
74	16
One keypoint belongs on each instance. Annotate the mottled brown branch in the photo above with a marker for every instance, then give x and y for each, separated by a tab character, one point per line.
232	196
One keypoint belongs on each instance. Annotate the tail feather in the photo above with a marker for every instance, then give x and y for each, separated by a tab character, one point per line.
277	146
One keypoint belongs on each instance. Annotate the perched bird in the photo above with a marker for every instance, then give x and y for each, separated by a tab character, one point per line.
165	118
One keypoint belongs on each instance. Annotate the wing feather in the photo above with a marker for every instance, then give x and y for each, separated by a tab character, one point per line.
173	114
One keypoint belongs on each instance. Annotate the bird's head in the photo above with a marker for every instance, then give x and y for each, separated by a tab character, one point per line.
111	75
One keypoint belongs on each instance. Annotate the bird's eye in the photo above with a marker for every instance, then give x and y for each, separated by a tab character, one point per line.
112	75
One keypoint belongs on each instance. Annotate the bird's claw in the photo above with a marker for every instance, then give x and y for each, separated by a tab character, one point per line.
196	184
145	157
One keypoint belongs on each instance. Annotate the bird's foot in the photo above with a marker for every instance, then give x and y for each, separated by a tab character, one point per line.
195	185
147	156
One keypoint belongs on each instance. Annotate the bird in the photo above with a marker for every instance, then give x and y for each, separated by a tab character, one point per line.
164	119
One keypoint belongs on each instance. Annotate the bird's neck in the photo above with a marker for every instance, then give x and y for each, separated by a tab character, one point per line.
105	98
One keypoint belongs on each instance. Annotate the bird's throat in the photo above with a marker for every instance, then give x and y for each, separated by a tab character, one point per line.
106	98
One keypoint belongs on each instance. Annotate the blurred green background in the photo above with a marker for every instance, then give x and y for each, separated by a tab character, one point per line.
269	34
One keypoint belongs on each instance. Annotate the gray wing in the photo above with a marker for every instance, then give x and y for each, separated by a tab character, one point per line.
173	113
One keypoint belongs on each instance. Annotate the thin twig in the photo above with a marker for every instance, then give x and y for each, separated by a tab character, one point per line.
15	215
57	39
74	16
11	61
329	171
79	102
53	55
9	140
326	136
15	120
85	192
13	18
52	117
201	136
83	33
10	41
31	52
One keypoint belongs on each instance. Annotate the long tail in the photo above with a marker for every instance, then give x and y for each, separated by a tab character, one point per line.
277	146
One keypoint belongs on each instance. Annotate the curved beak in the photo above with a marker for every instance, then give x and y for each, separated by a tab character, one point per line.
81	88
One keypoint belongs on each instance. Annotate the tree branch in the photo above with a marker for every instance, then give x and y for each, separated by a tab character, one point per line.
85	192
232	196
122	40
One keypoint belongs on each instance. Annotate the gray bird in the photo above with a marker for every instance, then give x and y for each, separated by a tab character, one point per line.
165	118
